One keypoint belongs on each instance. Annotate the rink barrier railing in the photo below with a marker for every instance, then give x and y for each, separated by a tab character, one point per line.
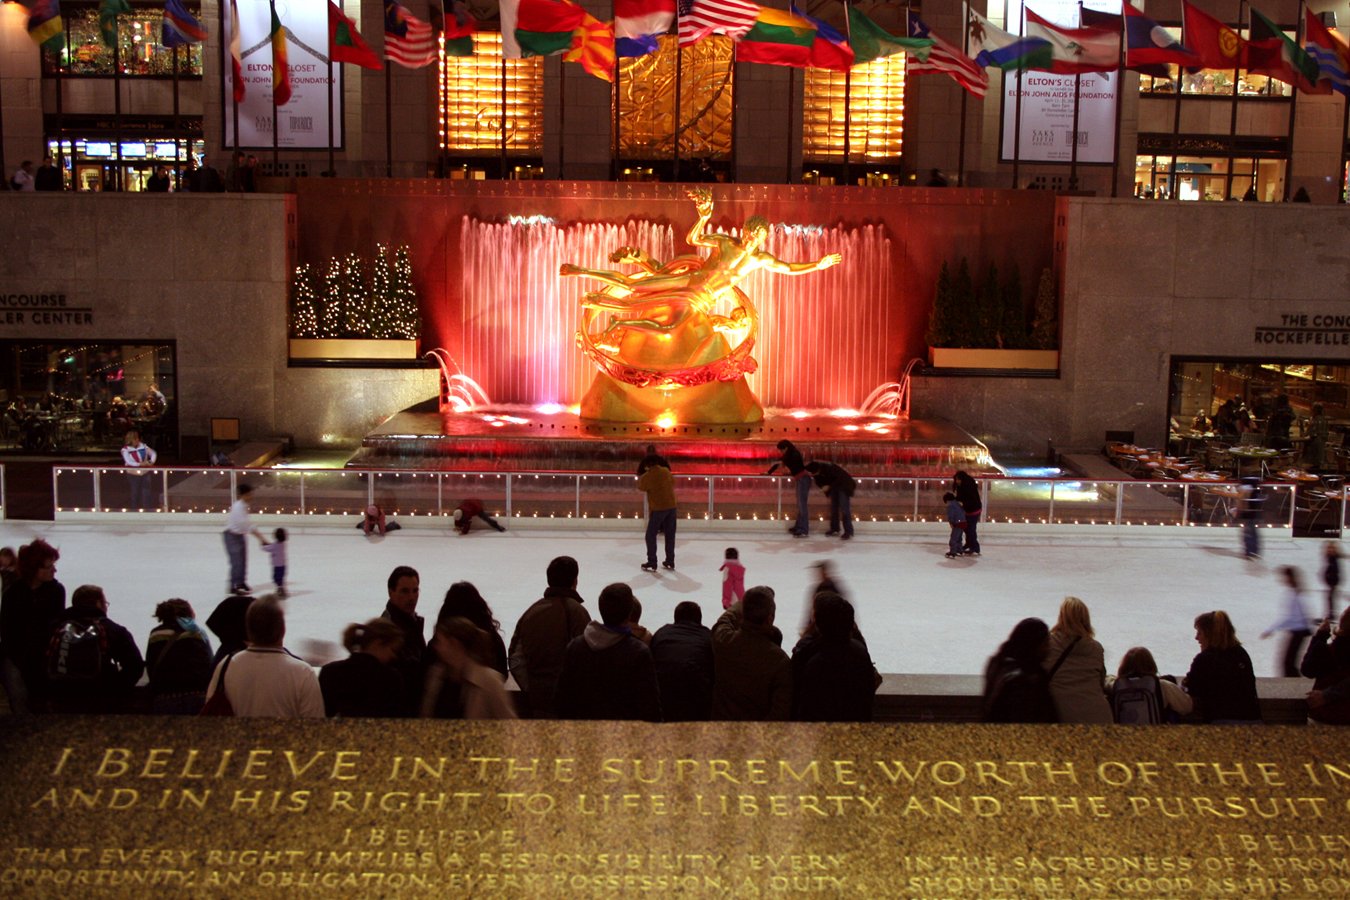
614	495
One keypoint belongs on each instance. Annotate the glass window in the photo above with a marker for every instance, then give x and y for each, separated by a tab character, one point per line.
1214	82
484	97
647	102
84	396
874	96
140	52
1207	178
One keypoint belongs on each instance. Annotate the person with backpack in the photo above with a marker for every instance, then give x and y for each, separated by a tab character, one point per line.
1139	696
92	663
178	660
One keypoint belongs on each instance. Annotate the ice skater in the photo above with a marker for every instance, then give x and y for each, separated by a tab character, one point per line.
956	517
1293	621
733	578
801	484
1331	575
276	550
471	509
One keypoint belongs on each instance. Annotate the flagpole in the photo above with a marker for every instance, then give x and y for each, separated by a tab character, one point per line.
276	152
389	120
1232	118
117	105
177	127
848	123
1176	118
618	143
562	114
502	176
961	142
792	85
1120	81
679	73
234	88
1017	107
331	163
1345	126
1073	137
1293	109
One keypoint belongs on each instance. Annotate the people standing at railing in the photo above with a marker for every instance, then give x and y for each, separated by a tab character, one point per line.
137	455
967	491
652	458
801	481
1292	620
237	527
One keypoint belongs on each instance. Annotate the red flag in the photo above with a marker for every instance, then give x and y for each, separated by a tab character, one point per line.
1216	45
345	44
236	63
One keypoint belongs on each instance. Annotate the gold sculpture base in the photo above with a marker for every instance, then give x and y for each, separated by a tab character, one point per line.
714	403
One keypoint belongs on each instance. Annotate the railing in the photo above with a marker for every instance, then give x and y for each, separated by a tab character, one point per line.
1056	501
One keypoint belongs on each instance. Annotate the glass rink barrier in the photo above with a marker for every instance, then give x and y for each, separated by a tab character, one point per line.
572	495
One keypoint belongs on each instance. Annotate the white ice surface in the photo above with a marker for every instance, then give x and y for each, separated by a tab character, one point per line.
920	612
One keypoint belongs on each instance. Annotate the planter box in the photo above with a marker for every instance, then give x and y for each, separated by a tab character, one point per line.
1002	360
352	349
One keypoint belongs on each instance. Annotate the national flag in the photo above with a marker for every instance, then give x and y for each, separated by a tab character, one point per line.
545	27
638	22
458	31
45	25
593	47
1215	44
408	41
1150	48
281	69
777	38
1332	55
700	18
995	47
830	49
945	59
1273	53
108	11
236	61
345	44
1076	50
870	41
180	28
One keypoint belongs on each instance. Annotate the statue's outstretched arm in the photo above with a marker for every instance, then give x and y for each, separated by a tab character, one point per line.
616	279
703	202
774	264
638	257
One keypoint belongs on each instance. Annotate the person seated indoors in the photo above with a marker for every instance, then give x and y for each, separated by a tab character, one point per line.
1140	696
178	661
376	522
366	684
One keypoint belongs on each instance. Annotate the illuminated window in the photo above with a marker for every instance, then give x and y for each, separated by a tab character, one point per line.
139	51
874	95
1209	178
1212	82
483	100
646	99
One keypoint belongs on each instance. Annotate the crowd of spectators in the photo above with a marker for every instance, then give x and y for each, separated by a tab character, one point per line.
567	664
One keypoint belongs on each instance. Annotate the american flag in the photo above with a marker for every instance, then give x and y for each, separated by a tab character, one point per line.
700	18
407	41
945	59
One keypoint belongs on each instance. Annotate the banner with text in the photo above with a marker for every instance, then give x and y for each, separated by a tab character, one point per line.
1047	114
303	122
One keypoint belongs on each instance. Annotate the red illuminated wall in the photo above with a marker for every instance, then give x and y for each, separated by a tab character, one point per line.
924	226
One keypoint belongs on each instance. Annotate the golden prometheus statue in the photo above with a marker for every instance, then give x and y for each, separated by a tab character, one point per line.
665	356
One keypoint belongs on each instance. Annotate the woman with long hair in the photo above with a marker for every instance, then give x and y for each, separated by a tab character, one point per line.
464	600
1015	686
1221	680
460	649
29	607
1077	667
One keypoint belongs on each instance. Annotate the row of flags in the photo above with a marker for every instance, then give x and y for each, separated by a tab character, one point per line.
1104	42
1318	66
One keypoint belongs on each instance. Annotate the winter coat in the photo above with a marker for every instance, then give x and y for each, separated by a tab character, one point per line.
683	655
608	674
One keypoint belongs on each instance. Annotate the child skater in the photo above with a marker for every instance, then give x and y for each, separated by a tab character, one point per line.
733	578
276	548
1331	575
956	517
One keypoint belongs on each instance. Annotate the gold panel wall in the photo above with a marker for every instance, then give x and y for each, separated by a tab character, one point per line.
646	98
874	94
472	108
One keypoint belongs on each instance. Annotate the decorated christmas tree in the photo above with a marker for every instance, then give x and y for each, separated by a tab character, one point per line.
330	315
306	302
1045	330
378	316
404	319
351	297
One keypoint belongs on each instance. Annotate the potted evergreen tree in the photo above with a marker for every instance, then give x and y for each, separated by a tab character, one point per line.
984	328
356	310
